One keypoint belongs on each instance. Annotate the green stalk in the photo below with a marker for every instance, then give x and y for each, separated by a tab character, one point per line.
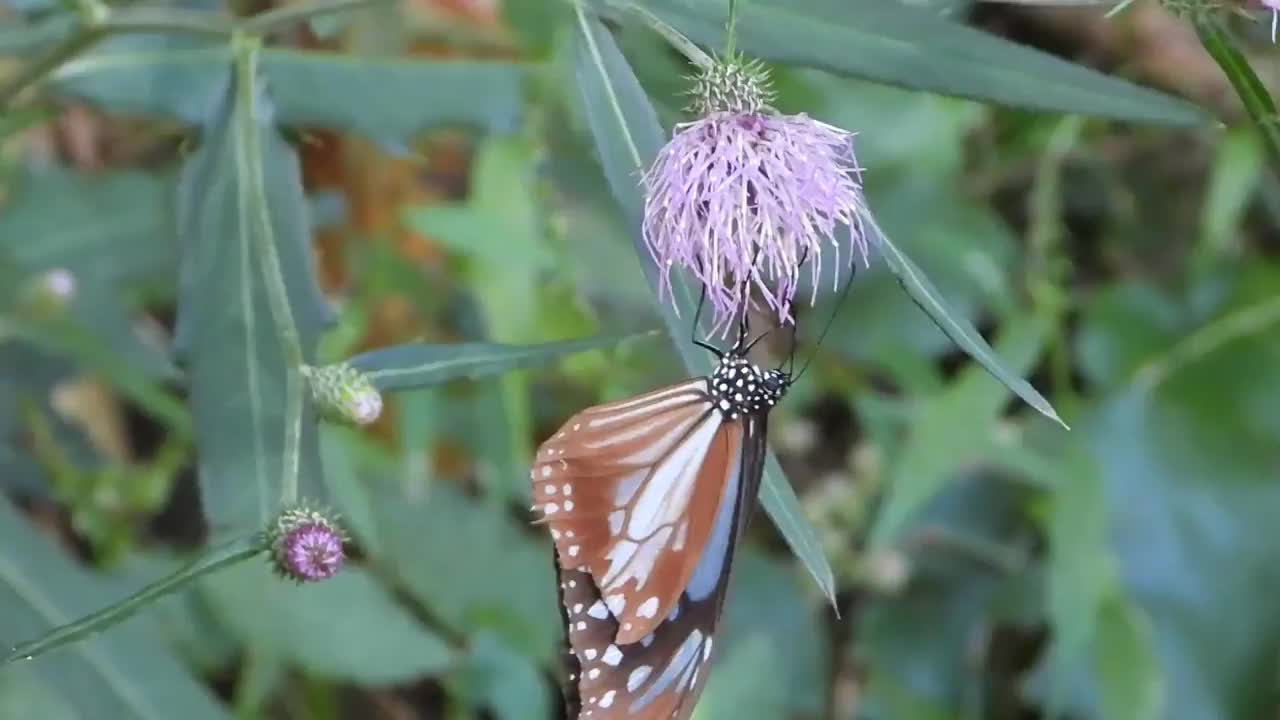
229	553
731	29
83	39
1258	103
247	49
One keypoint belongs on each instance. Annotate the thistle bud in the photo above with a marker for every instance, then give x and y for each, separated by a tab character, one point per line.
736	86
306	544
343	394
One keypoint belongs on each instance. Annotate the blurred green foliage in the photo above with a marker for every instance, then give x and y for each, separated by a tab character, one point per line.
983	562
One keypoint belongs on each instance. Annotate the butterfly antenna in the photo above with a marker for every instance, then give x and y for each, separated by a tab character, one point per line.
697	317
844	294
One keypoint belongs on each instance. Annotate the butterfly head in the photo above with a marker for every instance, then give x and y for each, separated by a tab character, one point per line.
739	387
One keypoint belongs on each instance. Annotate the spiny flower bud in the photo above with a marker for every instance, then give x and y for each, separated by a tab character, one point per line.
306	544
343	394
734	86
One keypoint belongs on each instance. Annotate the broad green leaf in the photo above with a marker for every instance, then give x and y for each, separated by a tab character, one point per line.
951	430
924	294
1128	669
471	568
22	695
347	627
215	559
240	193
388	100
507	683
628	137
1082	571
743	683
126	673
109	228
919	644
767	605
896	44
417	365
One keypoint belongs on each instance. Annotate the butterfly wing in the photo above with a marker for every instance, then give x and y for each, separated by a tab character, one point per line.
661	676
630	491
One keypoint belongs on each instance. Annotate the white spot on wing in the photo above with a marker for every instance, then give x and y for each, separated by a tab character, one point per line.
648	608
638	676
612	656
607	699
616	603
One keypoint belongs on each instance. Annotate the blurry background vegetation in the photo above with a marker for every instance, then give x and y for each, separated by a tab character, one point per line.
987	564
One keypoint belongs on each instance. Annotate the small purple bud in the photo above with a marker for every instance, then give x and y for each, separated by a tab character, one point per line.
306	545
313	552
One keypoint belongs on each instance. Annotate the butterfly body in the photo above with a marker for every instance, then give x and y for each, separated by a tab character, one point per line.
646	499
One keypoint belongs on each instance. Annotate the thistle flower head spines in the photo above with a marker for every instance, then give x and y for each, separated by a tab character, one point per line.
306	544
732	85
343	393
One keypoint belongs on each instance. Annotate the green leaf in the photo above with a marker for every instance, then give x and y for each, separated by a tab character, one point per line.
461	561
347	627
1128	668
925	295
127	673
920	644
239	192
951	429
417	365
896	44
108	228
385	99
1257	101
506	682
767	606
211	561
628	137
1082	571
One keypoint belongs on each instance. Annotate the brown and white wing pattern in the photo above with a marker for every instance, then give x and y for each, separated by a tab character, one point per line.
630	491
660	676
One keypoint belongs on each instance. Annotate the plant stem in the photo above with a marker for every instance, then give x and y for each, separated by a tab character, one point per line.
684	45
81	40
249	153
731	29
1217	40
229	553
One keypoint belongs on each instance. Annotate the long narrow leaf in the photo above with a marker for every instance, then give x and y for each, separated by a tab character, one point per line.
911	47
927	297
241	189
415	365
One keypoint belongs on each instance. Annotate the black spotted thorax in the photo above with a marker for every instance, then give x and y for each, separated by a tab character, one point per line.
739	387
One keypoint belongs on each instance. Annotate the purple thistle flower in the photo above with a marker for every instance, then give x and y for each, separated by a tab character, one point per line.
745	197
313	552
306	545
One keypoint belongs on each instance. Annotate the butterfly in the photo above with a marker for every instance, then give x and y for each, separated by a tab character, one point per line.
646	499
